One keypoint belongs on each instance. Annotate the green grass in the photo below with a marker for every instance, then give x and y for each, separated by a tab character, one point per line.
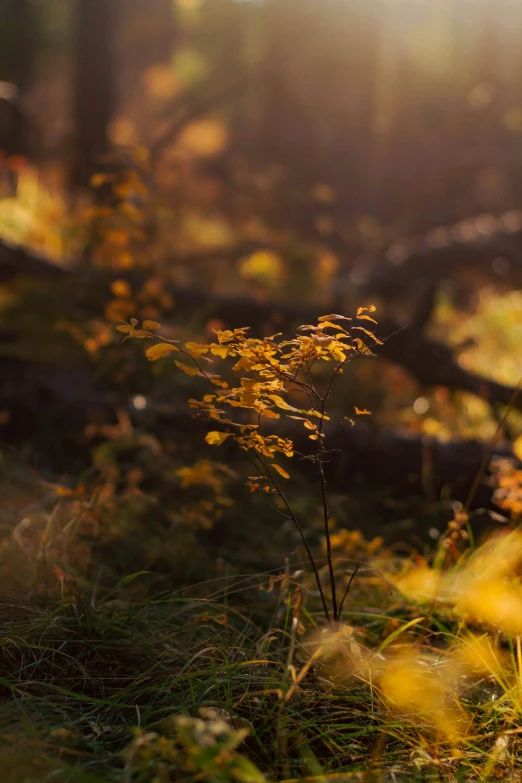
97	665
80	676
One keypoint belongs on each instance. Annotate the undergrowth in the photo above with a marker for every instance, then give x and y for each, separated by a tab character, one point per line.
107	686
134	649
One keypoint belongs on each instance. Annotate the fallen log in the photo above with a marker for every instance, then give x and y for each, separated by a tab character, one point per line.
430	362
487	242
50	408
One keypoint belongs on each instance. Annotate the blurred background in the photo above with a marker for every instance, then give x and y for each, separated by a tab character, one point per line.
260	162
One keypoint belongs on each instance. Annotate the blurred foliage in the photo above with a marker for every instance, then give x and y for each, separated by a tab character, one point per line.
272	150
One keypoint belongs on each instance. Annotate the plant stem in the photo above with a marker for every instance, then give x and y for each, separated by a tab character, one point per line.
296	522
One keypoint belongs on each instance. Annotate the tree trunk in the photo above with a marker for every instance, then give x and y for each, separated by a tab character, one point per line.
94	95
17	50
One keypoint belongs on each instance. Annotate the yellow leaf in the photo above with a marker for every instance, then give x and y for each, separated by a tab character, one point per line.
362	412
369	309
282	404
281	471
160	350
325	324
334	317
369	334
196	350
151	325
188	370
220	350
366	318
517	448
215	438
310	425
124	328
362	347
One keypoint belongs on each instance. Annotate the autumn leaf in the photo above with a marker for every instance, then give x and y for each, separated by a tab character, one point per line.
160	350
282	404
362	347
325	324
362	412
196	350
334	317
369	309
215	438
151	325
220	350
369	334
124	328
189	370
281	471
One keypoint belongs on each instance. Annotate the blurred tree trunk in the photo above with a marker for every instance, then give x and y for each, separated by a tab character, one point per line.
17	60
94	93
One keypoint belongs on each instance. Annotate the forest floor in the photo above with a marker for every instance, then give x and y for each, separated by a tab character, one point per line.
239	677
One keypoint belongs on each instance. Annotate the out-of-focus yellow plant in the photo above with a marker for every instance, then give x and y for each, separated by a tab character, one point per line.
419	582
38	216
415	688
119	217
484	586
477	656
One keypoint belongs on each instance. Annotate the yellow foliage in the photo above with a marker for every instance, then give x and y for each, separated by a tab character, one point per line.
217	438
264	265
414	687
160	350
420	583
280	470
494	602
476	655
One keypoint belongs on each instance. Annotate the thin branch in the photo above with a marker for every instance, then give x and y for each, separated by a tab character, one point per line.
352	577
301	533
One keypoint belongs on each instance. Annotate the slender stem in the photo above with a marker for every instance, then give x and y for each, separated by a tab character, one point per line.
323	401
352	577
326	518
296	522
